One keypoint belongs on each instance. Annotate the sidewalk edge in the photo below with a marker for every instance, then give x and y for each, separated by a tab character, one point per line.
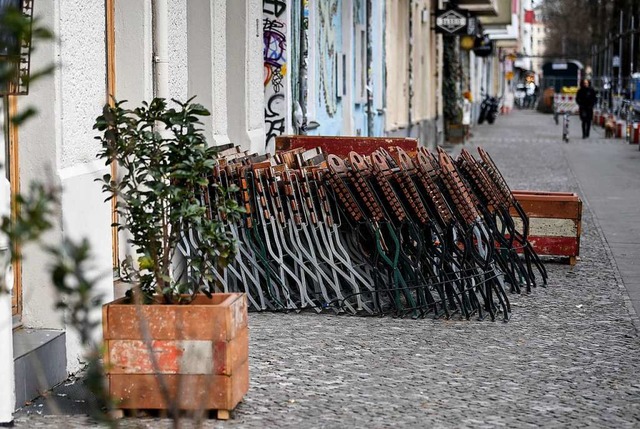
635	319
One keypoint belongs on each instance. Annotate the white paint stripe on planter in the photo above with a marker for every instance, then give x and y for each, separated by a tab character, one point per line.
545	227
171	357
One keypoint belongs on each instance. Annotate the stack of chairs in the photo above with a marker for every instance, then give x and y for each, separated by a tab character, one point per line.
419	235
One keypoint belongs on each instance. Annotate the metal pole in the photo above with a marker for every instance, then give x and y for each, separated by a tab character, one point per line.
633	39
603	70
161	48
605	47
610	66
369	74
620	54
303	65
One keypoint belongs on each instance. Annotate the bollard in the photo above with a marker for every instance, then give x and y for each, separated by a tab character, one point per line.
635	133
620	129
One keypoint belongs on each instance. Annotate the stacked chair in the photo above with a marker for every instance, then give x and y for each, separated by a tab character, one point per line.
410	235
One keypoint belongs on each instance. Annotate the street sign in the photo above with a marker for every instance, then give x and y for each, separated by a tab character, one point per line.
484	47
451	21
616	61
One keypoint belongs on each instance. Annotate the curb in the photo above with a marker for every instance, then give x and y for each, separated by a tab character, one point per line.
635	319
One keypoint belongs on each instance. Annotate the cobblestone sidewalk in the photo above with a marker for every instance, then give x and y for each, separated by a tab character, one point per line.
569	357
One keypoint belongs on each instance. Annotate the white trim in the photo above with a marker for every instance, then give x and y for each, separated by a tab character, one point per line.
548	227
82	169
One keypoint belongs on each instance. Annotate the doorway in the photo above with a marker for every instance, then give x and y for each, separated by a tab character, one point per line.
9	186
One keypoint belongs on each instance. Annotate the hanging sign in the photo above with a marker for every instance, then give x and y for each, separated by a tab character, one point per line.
484	47
474	27
451	21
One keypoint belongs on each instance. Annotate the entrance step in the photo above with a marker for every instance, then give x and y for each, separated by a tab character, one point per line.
40	360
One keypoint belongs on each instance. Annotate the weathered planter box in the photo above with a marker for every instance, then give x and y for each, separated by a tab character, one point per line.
455	133
201	352
555	222
341	146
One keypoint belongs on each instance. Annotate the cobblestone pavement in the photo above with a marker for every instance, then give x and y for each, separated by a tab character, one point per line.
569	357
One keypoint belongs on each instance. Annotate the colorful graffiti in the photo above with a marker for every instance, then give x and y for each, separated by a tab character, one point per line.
275	47
274	29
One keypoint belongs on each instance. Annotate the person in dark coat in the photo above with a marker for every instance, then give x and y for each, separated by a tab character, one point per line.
586	99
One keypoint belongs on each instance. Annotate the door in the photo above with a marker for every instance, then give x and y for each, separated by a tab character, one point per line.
8	185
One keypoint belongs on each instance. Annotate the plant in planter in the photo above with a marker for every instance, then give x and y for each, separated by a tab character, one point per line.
163	195
163	162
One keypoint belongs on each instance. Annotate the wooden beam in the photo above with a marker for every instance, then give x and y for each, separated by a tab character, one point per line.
110	6
14	179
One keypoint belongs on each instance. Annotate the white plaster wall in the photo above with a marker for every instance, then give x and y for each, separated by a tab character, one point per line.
420	58
245	93
83	92
255	76
134	51
207	63
83	77
58	147
39	154
397	63
178	71
87	215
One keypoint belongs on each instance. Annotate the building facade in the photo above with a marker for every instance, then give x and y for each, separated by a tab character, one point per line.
128	50
263	68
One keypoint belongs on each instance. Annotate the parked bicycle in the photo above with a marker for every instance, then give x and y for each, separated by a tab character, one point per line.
628	113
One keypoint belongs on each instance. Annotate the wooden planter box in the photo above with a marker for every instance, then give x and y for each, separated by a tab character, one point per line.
341	146
555	222
201	353
455	133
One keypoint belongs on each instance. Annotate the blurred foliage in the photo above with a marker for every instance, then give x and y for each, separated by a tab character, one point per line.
163	166
451	81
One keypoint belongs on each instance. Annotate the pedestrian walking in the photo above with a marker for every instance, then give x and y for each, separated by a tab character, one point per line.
586	99
466	114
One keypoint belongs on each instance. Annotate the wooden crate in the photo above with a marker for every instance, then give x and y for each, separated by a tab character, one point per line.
341	146
201	353
455	133
555	222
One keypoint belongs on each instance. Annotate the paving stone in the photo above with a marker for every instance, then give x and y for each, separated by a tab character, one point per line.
553	365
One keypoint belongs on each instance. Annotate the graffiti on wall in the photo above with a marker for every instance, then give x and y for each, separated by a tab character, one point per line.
274	29
327	67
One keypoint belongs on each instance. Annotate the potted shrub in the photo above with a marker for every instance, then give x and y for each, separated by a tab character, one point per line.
170	343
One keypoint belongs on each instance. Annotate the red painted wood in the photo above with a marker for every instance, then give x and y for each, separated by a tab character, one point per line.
556	246
554	205
201	351
341	146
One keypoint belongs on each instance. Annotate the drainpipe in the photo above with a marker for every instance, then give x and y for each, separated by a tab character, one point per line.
369	74
410	69
7	386
303	65
160	48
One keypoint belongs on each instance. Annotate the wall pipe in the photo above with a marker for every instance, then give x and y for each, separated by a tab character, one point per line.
620	55
369	72
633	37
161	48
